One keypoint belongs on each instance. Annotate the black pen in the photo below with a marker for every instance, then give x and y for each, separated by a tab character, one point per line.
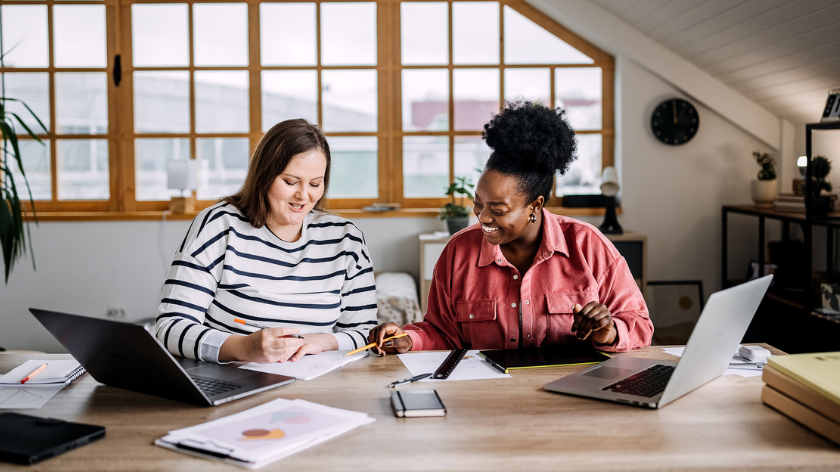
409	380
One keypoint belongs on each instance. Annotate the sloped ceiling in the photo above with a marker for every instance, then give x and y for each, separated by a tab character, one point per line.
782	54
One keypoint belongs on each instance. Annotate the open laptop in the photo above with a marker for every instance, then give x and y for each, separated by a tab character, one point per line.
129	356
652	383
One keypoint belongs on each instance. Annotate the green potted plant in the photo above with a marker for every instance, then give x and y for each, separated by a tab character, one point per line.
764	190
13	230
457	215
820	168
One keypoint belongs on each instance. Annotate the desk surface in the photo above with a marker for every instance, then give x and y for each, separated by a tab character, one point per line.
510	424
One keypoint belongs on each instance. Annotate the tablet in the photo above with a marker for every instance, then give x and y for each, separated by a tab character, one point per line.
573	353
28	439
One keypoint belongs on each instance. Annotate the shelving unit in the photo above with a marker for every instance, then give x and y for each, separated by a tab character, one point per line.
786	318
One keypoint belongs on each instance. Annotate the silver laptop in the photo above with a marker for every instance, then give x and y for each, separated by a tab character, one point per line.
129	356
654	384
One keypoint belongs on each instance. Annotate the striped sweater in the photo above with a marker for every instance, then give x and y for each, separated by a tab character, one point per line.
225	269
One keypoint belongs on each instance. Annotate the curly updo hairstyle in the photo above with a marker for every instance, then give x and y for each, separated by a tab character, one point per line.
532	142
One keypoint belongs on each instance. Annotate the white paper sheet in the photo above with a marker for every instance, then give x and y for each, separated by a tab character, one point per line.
55	372
18	398
310	366
736	359
472	367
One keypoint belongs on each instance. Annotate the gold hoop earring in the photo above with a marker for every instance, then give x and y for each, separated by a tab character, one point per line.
533	217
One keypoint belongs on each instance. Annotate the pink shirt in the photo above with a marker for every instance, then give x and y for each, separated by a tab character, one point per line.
476	294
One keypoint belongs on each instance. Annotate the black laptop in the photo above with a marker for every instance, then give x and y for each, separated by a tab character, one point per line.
129	356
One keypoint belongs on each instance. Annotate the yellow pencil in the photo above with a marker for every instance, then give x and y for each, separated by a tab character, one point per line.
363	348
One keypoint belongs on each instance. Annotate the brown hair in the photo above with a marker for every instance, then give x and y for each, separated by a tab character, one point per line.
275	150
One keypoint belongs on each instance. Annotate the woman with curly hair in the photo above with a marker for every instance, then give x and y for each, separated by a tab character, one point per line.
524	277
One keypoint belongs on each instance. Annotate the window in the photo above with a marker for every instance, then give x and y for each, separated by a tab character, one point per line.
401	89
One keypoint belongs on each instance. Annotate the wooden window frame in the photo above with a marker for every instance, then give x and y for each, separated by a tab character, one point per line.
121	136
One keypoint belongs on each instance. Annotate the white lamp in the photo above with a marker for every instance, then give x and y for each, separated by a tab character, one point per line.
801	163
610	188
182	175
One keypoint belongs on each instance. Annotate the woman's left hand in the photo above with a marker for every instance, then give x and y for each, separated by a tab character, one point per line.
594	320
313	344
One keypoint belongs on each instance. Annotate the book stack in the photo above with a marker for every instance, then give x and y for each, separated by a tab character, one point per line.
806	388
790	202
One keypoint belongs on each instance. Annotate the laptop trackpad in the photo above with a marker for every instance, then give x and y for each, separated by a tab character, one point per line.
607	372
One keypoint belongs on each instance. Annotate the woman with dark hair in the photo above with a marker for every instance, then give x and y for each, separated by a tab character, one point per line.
272	257
524	277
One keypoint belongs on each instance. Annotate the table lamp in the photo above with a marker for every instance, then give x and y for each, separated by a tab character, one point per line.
610	188
799	183
182	175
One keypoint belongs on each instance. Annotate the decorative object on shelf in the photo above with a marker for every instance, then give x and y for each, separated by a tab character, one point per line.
674	307
764	190
820	168
674	121
831	112
799	184
13	230
182	175
457	215
610	188
790	202
830	295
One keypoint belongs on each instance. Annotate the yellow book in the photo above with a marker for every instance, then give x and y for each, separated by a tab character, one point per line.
820	371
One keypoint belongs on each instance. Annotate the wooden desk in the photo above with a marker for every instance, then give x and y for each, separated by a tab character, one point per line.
505	425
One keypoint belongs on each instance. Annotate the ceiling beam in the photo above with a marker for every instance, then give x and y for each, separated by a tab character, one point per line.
619	38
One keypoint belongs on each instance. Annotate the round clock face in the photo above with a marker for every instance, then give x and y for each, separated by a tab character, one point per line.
674	121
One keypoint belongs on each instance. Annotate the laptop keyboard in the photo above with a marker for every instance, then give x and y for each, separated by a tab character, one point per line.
213	387
647	383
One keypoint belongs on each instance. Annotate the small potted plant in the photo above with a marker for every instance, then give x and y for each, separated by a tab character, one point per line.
457	215
820	168
764	190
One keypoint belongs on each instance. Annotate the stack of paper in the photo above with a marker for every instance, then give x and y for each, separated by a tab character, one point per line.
40	388
310	366
264	434
806	388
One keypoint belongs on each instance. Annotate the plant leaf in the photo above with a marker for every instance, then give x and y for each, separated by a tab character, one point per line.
46	131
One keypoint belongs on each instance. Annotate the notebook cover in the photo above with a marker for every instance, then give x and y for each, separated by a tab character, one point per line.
28	439
819	371
801	393
549	356
801	414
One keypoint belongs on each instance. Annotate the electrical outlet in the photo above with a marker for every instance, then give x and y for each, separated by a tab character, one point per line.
115	311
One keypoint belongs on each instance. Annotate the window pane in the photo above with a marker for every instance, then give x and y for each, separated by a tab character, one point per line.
220	34
82	169
79	36
34	90
475	33
521	36
425	99
425	166
349	100
471	154
25	35
221	102
476	93
578	91
162	102
81	102
289	94
150	158
528	84
354	168
160	35
348	34
222	168
36	164
287	34
584	175
424	27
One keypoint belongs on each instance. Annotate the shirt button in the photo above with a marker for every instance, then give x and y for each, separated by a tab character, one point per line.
527	302
528	336
513	305
472	316
499	261
513	340
515	276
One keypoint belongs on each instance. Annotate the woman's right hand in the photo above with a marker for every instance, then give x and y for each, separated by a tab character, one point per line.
265	346
393	346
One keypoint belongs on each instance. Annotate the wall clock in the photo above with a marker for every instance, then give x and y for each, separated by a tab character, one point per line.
674	121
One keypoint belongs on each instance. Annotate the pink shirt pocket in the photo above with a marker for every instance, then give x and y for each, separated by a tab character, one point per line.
479	326
560	316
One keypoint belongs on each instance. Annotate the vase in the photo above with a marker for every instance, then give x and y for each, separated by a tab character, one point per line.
457	224
764	192
821	206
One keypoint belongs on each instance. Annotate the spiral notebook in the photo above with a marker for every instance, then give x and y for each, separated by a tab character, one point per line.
56	372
